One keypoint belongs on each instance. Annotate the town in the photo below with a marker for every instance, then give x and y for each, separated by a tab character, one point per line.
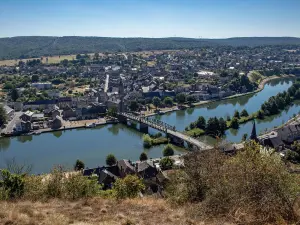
42	95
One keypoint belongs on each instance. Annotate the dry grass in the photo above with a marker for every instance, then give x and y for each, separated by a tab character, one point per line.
95	211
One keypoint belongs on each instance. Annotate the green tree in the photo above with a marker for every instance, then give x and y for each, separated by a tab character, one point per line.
244	138
222	125
156	102
79	165
147	141
213	126
3	116
133	105
96	56
11	184
14	94
236	114
168	101
128	187
201	122
112	111
166	163
244	113
168	150
111	160
190	99
35	78
234	123
260	114
143	156
181	98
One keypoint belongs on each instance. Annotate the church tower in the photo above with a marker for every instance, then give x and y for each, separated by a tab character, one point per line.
121	96
253	135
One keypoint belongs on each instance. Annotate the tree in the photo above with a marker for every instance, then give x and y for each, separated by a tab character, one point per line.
143	156
147	141
201	122
244	113
168	150
190	99
14	94
96	56
213	126
79	165
260	114
181	98
166	163
236	114
168	101
111	160
133	105
112	111
244	138
128	187
156	101
234	123
35	78
222	125
3	116
12	184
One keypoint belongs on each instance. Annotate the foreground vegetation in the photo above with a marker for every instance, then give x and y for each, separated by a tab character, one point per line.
252	187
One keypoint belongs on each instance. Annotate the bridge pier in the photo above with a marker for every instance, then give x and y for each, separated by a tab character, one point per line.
144	128
122	119
175	140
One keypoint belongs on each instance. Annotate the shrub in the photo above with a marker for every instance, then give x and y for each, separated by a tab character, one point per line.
11	185
77	186
168	150
128	187
166	163
143	156
244	113
252	183
111	160
147	141
79	165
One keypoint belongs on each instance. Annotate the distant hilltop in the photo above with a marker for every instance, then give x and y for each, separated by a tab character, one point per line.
37	46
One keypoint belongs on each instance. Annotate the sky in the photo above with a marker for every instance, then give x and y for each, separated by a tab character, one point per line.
150	18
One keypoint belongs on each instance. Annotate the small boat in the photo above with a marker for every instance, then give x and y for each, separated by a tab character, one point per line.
91	125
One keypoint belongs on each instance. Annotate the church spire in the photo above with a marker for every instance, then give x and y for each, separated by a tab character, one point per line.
253	132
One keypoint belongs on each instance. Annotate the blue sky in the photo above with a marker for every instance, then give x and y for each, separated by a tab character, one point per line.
150	18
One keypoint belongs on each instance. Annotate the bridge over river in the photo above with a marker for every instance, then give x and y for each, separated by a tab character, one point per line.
176	136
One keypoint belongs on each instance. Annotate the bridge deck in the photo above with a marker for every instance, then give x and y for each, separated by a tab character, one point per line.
161	126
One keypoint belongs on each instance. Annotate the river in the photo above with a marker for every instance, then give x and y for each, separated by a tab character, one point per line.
93	145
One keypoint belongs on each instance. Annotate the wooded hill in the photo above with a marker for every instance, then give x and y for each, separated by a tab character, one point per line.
36	46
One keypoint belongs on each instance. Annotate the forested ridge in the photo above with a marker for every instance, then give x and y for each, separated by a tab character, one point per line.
36	46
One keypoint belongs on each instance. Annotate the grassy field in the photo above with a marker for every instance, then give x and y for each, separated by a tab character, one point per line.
51	60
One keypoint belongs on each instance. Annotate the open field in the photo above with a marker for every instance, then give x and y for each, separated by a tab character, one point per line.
51	59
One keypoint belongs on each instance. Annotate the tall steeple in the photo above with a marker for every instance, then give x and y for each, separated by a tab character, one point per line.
253	135
121	88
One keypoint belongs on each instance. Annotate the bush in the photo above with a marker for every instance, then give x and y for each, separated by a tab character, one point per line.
128	187
11	185
168	150
252	183
143	156
79	165
147	141
166	163
111	160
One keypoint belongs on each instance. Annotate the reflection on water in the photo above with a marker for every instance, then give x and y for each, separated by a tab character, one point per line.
57	133
4	144
24	138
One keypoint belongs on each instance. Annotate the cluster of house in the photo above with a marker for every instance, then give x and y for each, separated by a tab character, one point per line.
281	139
154	178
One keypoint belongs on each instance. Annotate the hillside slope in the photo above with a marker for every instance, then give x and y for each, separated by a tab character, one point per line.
36	46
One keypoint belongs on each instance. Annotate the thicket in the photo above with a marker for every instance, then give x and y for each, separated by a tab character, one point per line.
253	186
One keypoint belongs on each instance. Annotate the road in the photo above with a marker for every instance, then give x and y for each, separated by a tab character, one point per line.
106	83
10	126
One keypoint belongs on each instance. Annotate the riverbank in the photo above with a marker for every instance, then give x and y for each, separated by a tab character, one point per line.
201	103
